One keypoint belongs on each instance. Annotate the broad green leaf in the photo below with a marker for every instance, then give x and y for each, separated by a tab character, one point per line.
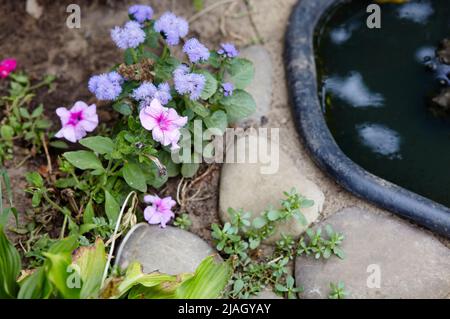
83	160
66	245
209	280
217	120
10	267
134	176
259	222
58	272
241	72
134	276
112	208
210	85
123	108
239	105
188	170
99	144
198	108
35	286
91	262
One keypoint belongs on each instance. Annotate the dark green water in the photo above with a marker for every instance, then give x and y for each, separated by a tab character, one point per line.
376	91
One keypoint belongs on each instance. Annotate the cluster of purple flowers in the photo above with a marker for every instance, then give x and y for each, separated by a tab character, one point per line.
148	91
228	50
227	88
172	28
188	83
141	13
107	86
130	35
196	51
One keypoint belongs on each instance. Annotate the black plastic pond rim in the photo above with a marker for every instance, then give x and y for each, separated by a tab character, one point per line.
311	125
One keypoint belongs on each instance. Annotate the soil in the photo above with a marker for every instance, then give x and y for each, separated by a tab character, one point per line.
47	45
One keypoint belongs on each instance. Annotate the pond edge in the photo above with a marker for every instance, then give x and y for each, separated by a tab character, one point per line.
311	125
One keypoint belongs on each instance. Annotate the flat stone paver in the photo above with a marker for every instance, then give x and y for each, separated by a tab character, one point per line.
168	250
244	185
408	262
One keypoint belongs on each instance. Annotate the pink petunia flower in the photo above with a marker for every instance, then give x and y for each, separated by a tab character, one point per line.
160	211
77	121
7	66
165	123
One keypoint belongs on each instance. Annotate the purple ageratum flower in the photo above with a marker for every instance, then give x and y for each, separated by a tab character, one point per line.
148	91
163	94
107	86
141	13
164	123
159	211
229	50
128	36
172	27
77	121
188	83
195	50
227	88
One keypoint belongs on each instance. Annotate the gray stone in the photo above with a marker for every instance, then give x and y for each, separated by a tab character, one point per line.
267	294
33	8
412	264
261	86
243	185
168	250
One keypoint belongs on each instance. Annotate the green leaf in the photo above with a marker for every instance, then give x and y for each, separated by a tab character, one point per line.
273	215
10	267
211	85
128	56
188	170
91	262
259	222
217	120
34	179
7	132
239	105
209	280
99	144
164	68
198	5
112	208
134	276
57	269
241	72
134	176
38	111
238	285
35	286
89	214
198	108
172	168
66	245
43	124
83	160
65	182
59	144
123	108
24	113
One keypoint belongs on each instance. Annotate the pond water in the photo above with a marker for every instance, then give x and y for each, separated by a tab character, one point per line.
375	89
